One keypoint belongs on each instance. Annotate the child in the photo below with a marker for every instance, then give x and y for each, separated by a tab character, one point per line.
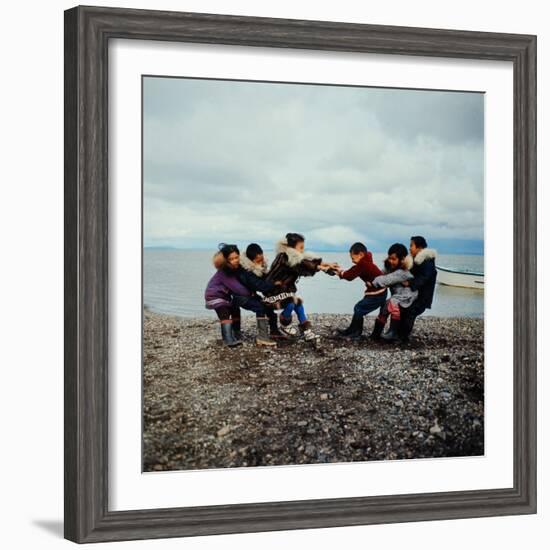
253	276
367	270
291	263
424	272
396	277
225	294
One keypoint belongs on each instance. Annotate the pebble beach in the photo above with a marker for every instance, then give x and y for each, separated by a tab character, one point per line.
206	406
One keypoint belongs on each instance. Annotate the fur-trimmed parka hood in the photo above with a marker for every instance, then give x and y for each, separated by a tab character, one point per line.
218	260
249	265
407	262
294	257
425	254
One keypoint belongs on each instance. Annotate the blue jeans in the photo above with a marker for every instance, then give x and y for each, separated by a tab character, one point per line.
369	303
298	309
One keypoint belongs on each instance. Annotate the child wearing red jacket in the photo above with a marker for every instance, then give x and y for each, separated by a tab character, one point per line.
365	268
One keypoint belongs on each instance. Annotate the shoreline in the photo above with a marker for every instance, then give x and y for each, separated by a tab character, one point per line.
210	315
206	406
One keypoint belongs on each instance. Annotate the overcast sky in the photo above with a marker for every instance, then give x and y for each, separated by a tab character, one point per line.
247	161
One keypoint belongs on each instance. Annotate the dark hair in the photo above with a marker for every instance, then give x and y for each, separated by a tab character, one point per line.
356	248
400	250
253	250
292	239
227	249
419	241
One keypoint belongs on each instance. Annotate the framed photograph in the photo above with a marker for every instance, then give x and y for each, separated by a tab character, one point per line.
300	274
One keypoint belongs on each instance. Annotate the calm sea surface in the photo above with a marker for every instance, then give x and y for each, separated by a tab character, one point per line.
174	283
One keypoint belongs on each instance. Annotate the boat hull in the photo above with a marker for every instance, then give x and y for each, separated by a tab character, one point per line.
460	279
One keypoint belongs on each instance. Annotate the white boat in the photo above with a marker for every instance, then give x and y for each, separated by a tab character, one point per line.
462	279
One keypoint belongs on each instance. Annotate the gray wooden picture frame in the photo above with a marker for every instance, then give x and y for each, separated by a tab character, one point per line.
87	34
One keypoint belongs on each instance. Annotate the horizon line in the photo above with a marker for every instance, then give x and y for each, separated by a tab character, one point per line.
213	249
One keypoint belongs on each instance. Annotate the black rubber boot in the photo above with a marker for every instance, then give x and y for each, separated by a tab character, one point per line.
392	335
376	333
404	330
237	333
227	335
349	330
262	338
274	331
237	328
355	330
408	318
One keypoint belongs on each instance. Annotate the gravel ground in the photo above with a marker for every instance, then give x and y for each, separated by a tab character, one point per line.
206	406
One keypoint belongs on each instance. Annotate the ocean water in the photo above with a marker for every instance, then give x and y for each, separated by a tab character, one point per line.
174	283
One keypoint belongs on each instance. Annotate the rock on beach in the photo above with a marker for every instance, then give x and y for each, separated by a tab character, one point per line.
206	406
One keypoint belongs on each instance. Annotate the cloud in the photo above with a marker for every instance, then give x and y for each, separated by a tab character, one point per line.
251	161
337	235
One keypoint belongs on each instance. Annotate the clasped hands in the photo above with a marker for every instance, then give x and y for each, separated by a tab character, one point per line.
326	267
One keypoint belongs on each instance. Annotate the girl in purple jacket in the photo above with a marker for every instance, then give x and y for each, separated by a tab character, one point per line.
225	294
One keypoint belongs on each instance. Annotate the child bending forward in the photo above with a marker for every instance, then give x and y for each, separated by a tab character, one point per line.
291	263
231	288
396	276
365	268
254	264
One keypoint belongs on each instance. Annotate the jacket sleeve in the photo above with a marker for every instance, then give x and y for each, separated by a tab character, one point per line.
308	267
253	282
235	286
426	272
352	273
390	279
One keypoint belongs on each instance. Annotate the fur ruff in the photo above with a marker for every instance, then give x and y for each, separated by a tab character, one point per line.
218	260
408	262
425	254
294	257
249	265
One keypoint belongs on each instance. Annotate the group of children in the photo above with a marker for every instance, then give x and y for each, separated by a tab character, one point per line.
239	278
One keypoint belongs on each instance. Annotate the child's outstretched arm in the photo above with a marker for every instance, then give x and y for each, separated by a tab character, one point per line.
392	278
255	283
308	267
350	274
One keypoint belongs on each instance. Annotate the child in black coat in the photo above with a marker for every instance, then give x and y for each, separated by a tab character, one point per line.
424	272
291	263
253	275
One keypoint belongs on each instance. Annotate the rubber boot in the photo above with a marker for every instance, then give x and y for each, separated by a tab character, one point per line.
355	330
274	331
392	335
405	327
376	333
262	338
227	335
237	329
